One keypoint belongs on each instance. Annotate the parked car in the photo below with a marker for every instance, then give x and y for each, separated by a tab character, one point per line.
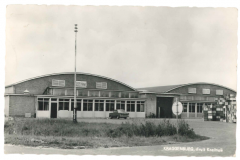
120	113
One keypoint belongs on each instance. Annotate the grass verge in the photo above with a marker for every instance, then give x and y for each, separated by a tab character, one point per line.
60	133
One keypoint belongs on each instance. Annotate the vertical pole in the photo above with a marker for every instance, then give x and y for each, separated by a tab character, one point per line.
75	90
177	114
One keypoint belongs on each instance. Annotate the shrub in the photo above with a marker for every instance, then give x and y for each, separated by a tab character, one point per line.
61	127
185	130
147	129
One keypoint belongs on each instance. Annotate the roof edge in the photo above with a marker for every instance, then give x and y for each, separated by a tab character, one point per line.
53	74
200	83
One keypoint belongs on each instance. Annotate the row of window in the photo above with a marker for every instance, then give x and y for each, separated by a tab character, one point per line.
92	93
192	108
81	84
197	98
204	91
64	104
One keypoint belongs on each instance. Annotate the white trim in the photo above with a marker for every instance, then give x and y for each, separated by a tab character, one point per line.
164	96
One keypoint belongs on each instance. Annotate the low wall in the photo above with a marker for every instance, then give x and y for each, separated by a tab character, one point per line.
21	104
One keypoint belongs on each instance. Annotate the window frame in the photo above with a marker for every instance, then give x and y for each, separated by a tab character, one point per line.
139	103
199	105
65	102
98	104
79	104
89	105
110	105
44	101
130	104
185	105
191	108
120	104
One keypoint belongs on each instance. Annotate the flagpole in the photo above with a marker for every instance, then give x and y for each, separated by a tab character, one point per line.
75	90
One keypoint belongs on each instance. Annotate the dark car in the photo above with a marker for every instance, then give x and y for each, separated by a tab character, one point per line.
120	113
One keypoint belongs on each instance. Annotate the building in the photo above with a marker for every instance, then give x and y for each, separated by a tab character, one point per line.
51	96
194	97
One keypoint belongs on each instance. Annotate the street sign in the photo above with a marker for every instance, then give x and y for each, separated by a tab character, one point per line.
177	108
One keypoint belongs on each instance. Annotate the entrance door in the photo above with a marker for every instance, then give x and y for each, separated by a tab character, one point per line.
164	107
53	110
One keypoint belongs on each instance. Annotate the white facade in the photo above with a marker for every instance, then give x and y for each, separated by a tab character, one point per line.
44	107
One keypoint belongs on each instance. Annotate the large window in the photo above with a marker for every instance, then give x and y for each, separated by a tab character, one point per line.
101	85
192	107
219	92
131	106
125	95
115	94
121	105
43	104
199	107
79	104
87	105
56	82
109	105
184	107
69	92
206	91
133	95
59	92
99	105
104	93
192	90
63	104
183	98
82	92
140	106
94	93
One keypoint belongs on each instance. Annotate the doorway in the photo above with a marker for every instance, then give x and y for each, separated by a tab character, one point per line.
53	110
164	107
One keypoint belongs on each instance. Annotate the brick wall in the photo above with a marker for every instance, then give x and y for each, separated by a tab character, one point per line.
19	105
38	85
199	87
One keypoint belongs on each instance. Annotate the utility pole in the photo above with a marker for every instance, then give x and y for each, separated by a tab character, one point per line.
177	113
75	90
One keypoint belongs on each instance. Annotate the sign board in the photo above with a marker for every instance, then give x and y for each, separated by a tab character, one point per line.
27	115
177	107
82	84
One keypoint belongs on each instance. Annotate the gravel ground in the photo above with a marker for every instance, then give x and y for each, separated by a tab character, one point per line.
222	142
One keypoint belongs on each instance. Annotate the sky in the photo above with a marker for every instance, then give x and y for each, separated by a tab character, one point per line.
139	46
